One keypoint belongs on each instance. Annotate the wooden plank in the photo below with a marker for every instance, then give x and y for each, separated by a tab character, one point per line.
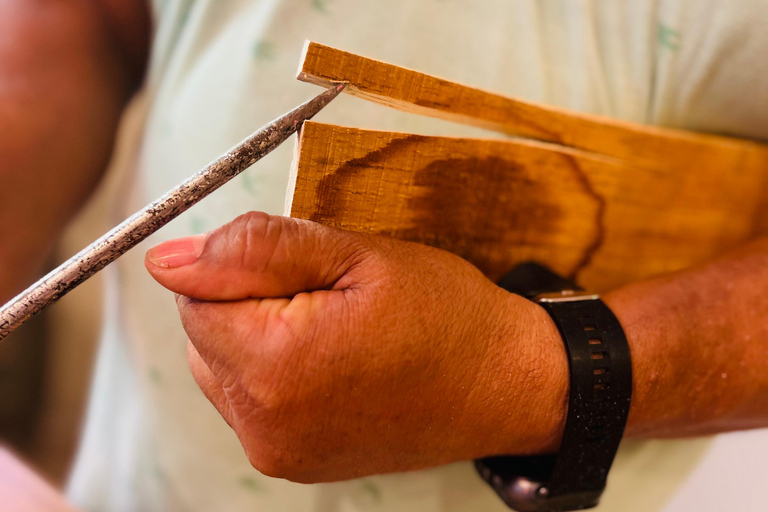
497	203
416	92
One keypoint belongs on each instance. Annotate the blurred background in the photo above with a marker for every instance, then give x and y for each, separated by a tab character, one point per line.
46	365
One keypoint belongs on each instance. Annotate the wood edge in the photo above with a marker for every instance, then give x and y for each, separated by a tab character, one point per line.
293	174
305	75
301	75
303	57
515	141
309	44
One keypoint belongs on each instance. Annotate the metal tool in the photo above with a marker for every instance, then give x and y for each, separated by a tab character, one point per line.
152	217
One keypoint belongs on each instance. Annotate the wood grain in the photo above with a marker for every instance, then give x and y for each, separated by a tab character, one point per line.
416	92
497	203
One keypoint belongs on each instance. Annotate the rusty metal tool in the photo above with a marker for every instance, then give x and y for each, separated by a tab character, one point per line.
152	217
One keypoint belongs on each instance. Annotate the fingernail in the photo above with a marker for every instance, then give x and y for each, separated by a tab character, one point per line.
178	252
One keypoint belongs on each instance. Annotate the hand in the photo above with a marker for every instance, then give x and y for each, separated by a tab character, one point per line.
335	355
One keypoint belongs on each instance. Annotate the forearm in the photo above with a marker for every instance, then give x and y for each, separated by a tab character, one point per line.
699	342
469	369
65	79
699	345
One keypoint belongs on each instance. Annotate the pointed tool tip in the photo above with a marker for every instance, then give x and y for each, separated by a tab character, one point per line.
297	116
336	89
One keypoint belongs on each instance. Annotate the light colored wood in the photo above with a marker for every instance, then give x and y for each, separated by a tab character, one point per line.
497	203
424	94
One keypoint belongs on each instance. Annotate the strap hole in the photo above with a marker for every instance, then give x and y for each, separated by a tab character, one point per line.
601	385
600	371
599	355
595	341
589	328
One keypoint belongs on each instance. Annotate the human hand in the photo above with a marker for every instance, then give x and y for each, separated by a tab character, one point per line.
335	355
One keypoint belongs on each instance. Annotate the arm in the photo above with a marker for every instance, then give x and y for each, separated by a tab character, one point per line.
699	342
68	67
403	356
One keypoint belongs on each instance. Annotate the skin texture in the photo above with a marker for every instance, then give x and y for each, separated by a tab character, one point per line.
335	355
699	345
389	364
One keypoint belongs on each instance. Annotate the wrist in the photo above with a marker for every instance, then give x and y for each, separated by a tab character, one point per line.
598	401
532	383
653	333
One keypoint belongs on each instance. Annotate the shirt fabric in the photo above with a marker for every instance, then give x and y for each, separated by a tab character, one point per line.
221	68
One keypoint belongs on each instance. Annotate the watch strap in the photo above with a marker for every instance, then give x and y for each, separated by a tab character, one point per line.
599	398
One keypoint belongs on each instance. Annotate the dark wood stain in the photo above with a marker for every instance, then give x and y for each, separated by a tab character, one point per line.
468	206
599	224
330	201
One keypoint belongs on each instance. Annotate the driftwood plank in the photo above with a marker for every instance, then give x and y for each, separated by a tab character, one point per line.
416	92
497	203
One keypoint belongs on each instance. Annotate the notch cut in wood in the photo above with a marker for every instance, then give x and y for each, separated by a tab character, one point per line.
420	93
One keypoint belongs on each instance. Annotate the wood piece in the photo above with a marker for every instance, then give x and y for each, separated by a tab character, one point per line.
497	203
416	92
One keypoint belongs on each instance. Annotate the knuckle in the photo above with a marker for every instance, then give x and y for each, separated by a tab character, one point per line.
279	463
254	238
250	220
268	464
193	314
347	248
268	402
184	303
268	398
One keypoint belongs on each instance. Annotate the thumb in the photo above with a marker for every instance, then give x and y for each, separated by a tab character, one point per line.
256	255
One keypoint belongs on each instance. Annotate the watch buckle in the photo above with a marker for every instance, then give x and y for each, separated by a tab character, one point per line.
566	296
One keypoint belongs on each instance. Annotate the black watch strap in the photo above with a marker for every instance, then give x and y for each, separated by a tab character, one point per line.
598	405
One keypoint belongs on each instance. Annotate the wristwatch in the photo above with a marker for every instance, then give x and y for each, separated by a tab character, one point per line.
598	403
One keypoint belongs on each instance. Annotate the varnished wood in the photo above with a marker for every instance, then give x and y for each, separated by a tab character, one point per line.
497	203
416	92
